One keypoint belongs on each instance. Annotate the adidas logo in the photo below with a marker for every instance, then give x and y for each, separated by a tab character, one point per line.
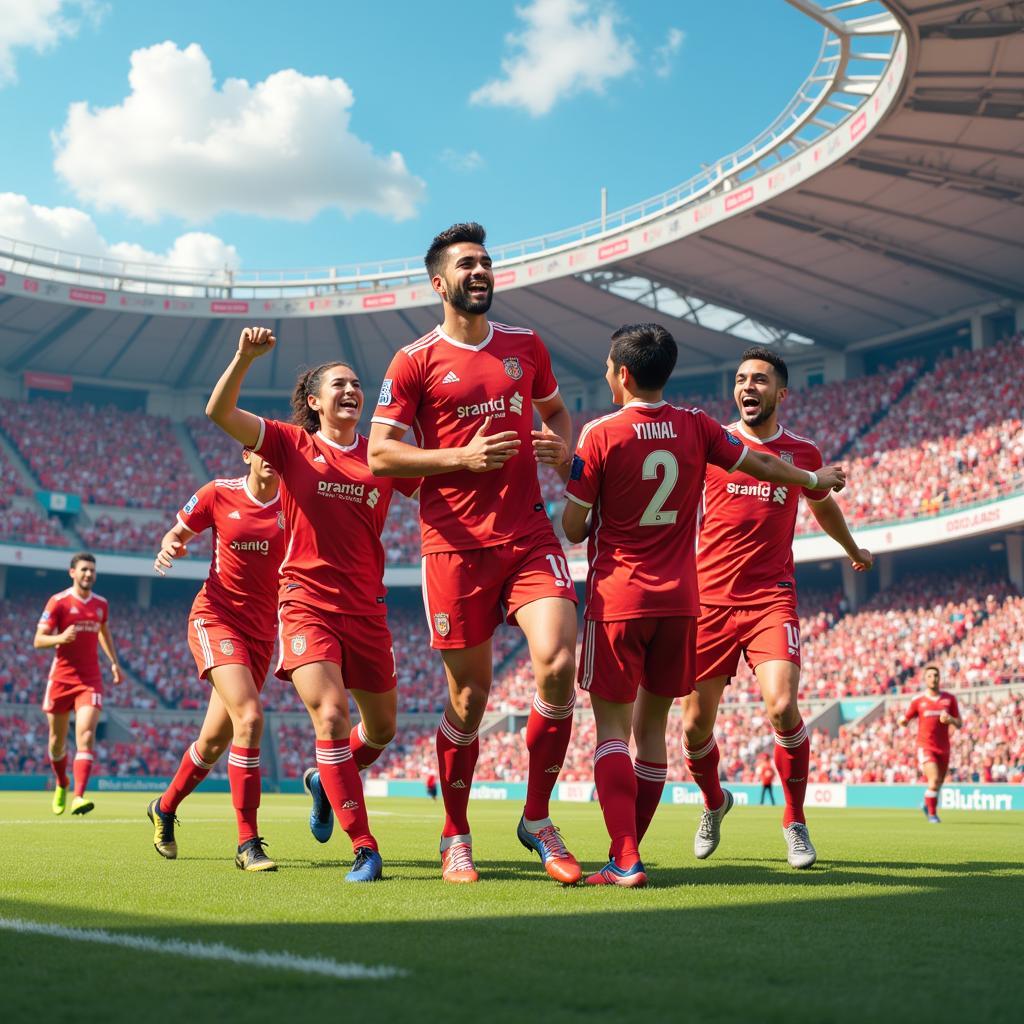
458	784
451	377
319	458
350	805
235	515
74	610
553	770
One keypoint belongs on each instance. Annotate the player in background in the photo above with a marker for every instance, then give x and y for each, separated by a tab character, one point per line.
936	711
332	622
75	623
748	601
231	630
767	779
634	490
469	389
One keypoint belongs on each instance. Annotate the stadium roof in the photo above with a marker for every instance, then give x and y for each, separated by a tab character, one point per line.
889	193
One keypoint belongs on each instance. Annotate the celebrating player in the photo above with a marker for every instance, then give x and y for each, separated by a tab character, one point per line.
74	623
935	711
332	621
231	635
469	388
748	601
635	488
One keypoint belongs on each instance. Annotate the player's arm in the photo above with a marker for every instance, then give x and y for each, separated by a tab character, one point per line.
575	521
389	455
762	466
107	643
553	442
45	638
174	545
831	519
907	715
222	407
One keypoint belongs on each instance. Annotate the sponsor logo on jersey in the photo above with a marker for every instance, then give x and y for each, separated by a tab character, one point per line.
762	490
298	645
515	403
512	367
577	467
780	495
262	546
227	648
451	377
496	407
385	392
191	504
442	624
280	520
372	498
346	491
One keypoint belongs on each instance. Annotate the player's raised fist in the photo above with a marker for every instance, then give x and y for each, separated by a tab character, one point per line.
831	478
256	341
863	561
486	452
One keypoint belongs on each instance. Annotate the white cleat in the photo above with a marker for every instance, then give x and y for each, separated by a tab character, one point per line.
800	849
709	831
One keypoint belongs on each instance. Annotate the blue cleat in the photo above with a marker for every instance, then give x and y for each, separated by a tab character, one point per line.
924	811
321	817
934	819
368	867
611	874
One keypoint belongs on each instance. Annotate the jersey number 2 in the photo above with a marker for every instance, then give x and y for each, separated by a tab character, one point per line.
655	513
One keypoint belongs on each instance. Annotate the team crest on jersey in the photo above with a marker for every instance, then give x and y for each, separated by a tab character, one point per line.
512	367
227	648
385	392
442	624
786	457
298	645
280	520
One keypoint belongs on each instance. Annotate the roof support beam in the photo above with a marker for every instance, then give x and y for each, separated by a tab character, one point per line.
143	324
44	341
206	336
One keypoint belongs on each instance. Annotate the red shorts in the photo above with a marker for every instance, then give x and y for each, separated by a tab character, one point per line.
939	757
62	696
766	632
214	643
360	644
468	594
618	658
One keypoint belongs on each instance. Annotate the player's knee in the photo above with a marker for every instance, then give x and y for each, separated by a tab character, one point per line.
556	670
331	722
468	706
249	726
85	739
380	734
782	711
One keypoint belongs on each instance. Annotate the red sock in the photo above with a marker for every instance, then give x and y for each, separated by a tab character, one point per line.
192	770
244	779
548	730
931	802
616	789
703	767
60	769
793	761
363	751
83	769
457	752
650	782
340	779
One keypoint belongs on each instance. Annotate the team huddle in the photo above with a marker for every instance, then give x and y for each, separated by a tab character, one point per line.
689	528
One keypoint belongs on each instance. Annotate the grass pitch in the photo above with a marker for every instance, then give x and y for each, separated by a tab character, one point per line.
899	920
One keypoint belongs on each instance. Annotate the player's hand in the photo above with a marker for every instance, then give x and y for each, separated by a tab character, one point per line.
831	478
944	718
487	452
166	555
549	448
863	561
67	637
116	675
255	342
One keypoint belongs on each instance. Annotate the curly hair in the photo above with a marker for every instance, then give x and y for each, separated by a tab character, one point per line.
308	383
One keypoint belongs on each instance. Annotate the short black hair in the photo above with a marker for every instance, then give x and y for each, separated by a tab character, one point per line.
470	231
932	667
82	556
648	351
766	355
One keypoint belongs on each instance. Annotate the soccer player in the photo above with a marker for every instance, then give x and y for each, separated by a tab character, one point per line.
75	623
231	630
469	389
767	780
332	622
748	601
935	710
634	488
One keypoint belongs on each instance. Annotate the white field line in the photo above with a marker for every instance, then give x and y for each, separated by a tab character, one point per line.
206	951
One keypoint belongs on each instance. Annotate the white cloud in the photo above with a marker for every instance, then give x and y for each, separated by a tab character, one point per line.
566	47
664	55
73	231
177	144
462	162
39	25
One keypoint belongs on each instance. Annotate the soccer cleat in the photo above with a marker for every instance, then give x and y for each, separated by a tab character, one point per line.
367	867
60	799
250	856
801	852
709	831
934	819
457	862
321	817
81	805
163	830
547	843
611	874
924	811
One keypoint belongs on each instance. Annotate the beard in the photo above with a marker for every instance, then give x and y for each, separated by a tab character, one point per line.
763	413
465	302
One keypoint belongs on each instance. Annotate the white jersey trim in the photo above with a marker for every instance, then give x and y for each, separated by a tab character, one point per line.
471	348
263	432
389	423
743	455
334	444
256	501
579	501
548	398
758	440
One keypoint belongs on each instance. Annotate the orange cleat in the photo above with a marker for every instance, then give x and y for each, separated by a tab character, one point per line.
457	861
547	843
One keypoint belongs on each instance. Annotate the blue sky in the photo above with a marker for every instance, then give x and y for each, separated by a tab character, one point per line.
298	171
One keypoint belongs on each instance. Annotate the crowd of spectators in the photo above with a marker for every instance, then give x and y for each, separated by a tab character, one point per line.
156	748
105	533
24	525
23	744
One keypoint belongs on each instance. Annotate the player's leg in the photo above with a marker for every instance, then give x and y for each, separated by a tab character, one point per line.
549	624
57	747
700	751
87	719
372	682
650	724
934	777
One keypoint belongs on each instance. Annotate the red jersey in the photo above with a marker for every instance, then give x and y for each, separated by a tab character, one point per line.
931	733
79	661
334	511
444	390
248	546
745	547
642	471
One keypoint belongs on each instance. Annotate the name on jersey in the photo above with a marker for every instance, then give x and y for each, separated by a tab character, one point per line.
654	431
496	407
262	546
348	492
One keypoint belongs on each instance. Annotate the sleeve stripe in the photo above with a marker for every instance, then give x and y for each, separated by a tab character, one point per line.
549	397
263	431
181	522
390	423
743	455
579	501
